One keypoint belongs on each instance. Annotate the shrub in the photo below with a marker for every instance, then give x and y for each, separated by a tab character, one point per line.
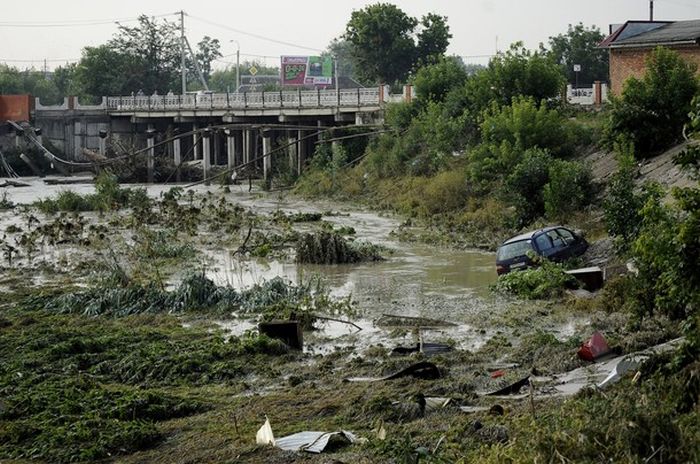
569	189
446	191
524	125
400	115
623	203
524	186
545	281
434	82
651	111
515	73
109	195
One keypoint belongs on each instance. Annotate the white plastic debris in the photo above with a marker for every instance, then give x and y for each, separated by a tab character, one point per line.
265	435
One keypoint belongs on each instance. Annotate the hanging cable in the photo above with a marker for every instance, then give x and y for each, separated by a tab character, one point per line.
257	36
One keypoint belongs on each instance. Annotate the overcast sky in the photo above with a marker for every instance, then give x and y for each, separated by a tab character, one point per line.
478	26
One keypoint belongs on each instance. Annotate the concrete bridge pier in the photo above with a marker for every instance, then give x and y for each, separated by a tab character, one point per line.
230	149
150	154
267	159
177	156
206	154
293	151
216	141
195	138
301	151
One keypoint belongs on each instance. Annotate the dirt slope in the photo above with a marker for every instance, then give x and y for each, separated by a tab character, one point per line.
659	168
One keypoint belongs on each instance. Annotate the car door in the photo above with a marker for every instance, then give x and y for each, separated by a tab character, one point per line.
544	245
575	245
559	250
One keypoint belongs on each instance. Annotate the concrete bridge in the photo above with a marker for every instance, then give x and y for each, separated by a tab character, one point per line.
252	120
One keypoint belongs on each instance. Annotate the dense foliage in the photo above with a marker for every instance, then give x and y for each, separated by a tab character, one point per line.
383	47
651	111
580	45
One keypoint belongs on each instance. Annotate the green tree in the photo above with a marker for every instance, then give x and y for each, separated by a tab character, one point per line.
64	79
29	81
155	45
651	111
524	125
224	80
383	42
341	50
433	38
517	72
103	70
570	189
433	82
208	50
580	46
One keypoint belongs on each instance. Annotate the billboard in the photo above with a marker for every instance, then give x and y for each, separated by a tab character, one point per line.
307	70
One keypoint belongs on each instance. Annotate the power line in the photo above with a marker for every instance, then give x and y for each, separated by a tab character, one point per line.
257	36
76	23
53	60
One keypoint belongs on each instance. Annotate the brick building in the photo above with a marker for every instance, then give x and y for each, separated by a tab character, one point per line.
631	43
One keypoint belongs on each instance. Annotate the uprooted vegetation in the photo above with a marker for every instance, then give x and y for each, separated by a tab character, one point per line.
333	248
197	294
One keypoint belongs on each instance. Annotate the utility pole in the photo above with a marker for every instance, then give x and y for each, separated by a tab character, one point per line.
183	62
651	10
238	63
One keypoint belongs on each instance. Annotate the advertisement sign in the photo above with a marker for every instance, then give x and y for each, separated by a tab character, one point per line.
307	70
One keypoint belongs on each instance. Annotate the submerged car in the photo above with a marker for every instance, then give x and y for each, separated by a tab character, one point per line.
555	243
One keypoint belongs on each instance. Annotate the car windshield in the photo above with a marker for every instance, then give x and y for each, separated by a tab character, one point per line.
513	250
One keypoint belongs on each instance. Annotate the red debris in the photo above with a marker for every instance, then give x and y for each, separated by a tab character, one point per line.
594	347
497	374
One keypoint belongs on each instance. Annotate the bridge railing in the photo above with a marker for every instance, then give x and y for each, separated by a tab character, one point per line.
274	99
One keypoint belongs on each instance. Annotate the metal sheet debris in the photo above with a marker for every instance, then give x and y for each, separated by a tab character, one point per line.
512	389
428	349
313	442
422	370
600	375
591	278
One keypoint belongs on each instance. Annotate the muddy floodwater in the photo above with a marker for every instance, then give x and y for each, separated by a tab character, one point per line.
416	279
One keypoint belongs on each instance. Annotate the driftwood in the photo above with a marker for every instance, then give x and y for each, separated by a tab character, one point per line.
418	321
332	319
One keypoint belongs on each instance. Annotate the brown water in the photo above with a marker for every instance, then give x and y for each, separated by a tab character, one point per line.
415	280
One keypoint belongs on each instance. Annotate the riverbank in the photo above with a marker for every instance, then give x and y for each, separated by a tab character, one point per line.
194	384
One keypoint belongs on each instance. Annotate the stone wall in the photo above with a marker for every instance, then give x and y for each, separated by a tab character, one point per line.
631	62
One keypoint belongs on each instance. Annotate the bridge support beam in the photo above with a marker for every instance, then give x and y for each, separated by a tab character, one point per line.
206	154
267	158
177	158
216	141
195	138
230	149
293	151
150	155
301	151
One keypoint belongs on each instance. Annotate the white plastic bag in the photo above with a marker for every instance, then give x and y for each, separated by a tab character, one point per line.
264	435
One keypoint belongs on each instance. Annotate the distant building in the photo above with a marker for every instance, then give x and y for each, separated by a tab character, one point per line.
631	43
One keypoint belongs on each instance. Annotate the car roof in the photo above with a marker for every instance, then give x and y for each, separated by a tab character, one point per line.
530	235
